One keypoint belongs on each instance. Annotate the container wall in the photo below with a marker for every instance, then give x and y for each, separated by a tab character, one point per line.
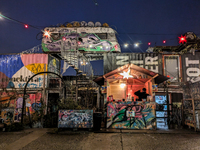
15	70
190	65
150	61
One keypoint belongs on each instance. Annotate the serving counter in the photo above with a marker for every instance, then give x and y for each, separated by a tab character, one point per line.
131	115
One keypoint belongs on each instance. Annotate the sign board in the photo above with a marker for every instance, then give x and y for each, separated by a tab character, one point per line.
130	113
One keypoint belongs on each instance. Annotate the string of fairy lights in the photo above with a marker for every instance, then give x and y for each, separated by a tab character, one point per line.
125	45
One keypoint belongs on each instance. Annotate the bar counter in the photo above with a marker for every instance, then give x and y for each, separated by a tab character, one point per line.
131	115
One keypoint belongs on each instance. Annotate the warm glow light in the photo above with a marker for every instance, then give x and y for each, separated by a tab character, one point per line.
149	43
136	44
126	74
164	41
47	34
125	45
122	85
90	46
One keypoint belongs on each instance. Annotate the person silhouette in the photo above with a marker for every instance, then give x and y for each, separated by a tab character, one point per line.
141	95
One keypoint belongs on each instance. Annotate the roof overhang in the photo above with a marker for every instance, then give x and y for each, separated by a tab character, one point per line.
157	77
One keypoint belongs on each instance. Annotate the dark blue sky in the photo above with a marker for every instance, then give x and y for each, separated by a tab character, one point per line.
135	20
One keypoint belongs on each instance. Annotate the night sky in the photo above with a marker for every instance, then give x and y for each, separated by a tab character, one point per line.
135	20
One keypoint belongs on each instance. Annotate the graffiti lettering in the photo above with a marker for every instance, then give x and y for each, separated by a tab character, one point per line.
192	70
72	118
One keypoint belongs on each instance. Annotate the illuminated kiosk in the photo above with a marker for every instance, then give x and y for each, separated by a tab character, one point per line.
123	111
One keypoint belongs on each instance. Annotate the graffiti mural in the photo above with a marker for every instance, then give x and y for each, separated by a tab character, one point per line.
75	119
144	115
16	70
84	38
15	102
53	65
7	115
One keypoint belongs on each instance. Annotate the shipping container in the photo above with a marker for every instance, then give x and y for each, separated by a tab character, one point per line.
17	69
150	61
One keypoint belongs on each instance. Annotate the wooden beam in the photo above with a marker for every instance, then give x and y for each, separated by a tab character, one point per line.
152	78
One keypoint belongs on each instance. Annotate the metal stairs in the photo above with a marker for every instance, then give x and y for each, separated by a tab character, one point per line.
77	60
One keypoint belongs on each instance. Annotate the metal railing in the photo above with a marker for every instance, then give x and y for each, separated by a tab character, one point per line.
77	60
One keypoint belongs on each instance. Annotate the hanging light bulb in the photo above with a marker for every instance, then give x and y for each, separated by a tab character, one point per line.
126	45
26	26
47	34
136	44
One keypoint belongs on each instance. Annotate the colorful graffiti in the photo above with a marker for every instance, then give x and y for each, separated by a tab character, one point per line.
15	103
84	38
16	70
53	65
144	115
7	115
75	119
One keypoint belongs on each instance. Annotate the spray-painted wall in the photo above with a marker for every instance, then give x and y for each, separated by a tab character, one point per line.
99	39
144	115
12	105
75	119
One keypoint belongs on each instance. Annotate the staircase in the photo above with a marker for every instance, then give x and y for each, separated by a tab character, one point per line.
76	60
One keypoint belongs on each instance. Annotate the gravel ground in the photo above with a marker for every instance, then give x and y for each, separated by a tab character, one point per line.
161	141
76	142
108	141
7	138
